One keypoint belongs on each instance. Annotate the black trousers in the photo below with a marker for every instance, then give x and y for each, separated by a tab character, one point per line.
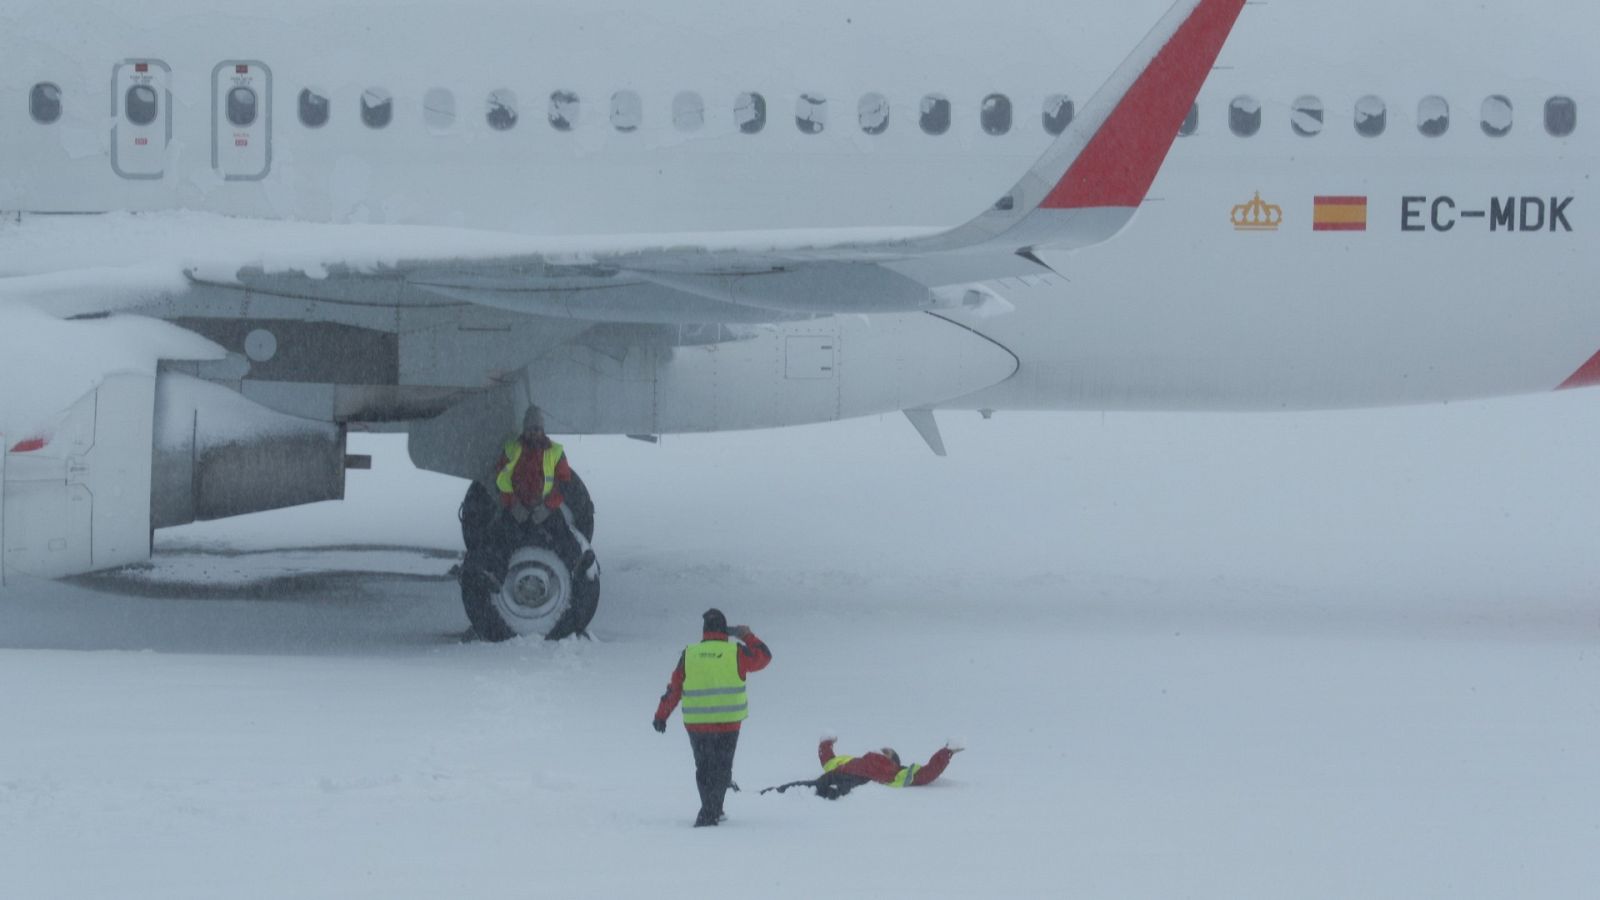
562	540
713	768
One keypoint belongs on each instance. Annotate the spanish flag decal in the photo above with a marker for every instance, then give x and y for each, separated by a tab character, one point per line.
1340	214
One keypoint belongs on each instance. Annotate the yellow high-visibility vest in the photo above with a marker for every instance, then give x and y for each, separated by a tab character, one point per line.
902	778
513	451
713	692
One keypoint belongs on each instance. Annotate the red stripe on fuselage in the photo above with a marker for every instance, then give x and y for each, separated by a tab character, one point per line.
1118	166
29	445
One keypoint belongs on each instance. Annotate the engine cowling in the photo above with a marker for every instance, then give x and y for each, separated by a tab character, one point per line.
142	452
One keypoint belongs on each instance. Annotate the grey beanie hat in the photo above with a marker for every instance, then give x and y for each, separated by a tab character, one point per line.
533	418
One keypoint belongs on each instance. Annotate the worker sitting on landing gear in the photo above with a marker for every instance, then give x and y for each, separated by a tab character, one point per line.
532	471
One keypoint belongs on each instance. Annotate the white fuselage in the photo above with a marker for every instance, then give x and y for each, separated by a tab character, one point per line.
1181	311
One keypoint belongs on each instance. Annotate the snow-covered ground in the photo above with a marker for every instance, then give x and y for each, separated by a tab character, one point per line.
1326	655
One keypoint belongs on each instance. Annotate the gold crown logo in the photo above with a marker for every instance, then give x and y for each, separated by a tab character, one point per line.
1257	215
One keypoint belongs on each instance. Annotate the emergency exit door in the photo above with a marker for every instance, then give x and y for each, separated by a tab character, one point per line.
141	113
241	120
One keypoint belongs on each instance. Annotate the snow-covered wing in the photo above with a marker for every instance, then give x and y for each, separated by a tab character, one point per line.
1083	190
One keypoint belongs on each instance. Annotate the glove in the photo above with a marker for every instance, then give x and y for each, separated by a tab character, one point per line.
954	748
539	513
660	725
519	513
742	632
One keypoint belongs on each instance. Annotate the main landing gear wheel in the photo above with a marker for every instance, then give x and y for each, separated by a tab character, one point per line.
539	597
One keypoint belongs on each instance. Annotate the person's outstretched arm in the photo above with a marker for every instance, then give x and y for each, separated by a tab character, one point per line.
934	767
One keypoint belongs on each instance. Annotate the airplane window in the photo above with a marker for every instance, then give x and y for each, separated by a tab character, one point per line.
1191	122
1433	116
873	113
242	106
563	111
995	114
502	111
313	108
627	111
1497	116
750	111
1560	116
1244	116
142	104
1372	116
935	114
811	114
377	107
1058	113
44	103
1306	116
688	111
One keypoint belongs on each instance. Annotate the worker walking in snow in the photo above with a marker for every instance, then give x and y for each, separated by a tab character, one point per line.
841	774
710	680
531	473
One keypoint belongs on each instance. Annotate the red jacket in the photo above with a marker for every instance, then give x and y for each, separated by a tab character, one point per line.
528	477
882	769
753	657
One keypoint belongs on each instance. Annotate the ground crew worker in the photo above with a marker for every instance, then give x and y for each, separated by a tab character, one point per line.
841	774
710	680
530	475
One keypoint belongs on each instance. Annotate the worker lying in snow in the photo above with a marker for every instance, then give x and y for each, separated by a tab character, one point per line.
842	774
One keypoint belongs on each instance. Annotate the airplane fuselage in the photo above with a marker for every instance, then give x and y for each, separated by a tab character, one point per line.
1377	205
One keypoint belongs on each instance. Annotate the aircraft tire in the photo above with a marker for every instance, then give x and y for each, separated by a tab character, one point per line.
538	597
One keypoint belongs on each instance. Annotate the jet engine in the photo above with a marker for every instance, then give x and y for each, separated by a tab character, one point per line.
142	452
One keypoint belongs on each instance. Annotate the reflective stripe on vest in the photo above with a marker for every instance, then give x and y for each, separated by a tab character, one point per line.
713	692
513	451
903	777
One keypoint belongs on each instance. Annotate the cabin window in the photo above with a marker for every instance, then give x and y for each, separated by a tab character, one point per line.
935	114
44	103
242	107
501	113
1244	116
1372	116
627	111
1191	122
1307	116
143	104
1433	116
439	110
873	113
313	108
563	110
688	111
811	113
1058	113
750	111
1560	116
1497	116
995	114
377	108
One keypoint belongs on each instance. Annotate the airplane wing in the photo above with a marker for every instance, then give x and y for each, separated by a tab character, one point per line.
1082	191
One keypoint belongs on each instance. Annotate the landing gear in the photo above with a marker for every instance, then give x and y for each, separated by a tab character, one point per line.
514	583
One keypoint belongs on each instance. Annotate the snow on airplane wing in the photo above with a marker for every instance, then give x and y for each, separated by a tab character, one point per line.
1082	191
